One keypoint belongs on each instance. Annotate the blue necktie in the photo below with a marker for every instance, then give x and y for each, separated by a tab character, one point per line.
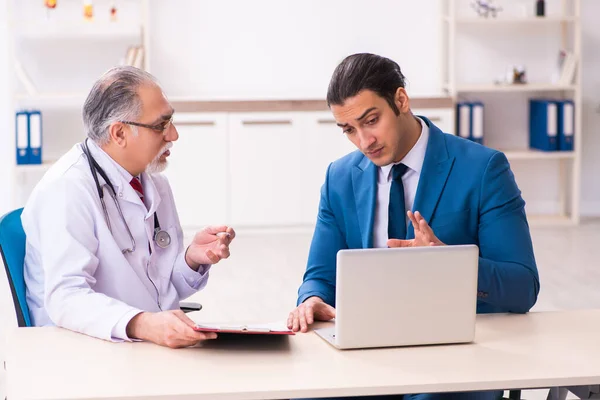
397	209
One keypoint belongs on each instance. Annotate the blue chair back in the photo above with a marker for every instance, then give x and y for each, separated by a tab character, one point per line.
12	250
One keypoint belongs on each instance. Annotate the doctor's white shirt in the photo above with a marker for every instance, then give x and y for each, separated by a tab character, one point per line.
76	274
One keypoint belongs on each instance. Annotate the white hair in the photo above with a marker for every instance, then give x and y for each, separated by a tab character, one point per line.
114	97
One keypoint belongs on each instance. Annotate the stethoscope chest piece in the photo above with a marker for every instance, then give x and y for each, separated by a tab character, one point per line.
162	238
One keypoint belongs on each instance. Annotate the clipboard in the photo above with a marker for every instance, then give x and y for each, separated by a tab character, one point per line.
250	329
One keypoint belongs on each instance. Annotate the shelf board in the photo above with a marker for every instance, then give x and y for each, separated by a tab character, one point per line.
532	154
76	29
52	98
526	87
512	20
35	167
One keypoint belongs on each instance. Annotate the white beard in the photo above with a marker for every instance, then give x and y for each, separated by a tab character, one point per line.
157	166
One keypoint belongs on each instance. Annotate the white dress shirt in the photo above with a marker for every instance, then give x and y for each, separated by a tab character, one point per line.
75	273
410	180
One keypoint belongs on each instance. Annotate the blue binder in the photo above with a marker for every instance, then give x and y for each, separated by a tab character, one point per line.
566	124
543	125
22	137
463	120
35	137
477	122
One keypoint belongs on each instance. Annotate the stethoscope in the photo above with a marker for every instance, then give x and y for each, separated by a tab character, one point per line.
161	237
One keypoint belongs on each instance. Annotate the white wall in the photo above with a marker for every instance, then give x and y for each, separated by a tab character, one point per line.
273	49
590	193
7	138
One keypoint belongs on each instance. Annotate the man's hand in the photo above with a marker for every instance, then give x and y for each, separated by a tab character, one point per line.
313	309
424	236
209	246
168	328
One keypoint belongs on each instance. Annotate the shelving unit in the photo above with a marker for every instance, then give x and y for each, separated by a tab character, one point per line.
533	154
526	87
510	21
35	167
58	29
91	48
460	22
51	97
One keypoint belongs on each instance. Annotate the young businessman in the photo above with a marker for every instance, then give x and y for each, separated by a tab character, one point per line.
410	184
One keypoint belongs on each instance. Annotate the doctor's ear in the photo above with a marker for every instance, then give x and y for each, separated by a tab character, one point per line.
117	135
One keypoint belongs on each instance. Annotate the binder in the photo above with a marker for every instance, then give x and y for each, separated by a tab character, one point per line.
543	125
253	329
477	122
463	120
35	137
566	124
22	137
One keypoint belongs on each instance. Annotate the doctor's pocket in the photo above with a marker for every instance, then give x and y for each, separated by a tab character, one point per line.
166	249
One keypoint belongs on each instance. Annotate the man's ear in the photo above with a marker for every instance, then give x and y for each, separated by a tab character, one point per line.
401	100
117	134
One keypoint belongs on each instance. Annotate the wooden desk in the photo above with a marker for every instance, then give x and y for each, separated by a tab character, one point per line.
510	351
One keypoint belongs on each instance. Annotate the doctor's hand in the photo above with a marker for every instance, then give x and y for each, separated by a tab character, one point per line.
313	309
209	246
168	328
424	235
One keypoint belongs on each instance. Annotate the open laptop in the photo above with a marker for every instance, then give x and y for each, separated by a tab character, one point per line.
404	296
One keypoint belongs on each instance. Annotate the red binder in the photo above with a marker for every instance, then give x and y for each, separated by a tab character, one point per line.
250	329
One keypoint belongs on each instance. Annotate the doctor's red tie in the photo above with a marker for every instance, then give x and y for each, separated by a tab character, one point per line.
136	184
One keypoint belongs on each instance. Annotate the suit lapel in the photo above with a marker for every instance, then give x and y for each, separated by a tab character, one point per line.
434	174
364	185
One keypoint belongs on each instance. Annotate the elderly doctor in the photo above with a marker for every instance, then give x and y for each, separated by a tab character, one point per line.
104	253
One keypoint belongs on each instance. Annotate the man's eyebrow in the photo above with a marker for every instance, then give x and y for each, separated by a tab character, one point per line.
365	113
359	118
164	117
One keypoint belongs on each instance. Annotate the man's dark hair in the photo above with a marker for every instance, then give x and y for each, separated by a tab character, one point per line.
365	71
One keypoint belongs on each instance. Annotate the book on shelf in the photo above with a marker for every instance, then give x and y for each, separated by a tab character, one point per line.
24	79
567	68
134	57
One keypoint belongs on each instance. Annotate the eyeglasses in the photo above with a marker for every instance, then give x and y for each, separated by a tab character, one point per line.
163	127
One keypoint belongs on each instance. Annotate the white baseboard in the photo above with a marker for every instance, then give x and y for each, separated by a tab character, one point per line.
541	207
259	230
590	208
587	208
533	208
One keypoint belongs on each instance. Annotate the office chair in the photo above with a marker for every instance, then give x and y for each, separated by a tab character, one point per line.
12	250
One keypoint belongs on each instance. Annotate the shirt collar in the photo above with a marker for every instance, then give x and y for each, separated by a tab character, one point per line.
113	165
415	157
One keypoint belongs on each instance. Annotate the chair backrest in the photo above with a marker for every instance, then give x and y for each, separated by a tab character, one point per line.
12	250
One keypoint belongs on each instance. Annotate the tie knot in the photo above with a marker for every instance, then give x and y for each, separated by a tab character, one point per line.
398	171
136	184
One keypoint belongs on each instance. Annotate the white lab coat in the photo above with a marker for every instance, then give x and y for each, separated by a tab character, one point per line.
75	273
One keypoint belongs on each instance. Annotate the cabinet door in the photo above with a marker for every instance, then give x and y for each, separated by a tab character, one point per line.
268	158
197	169
443	118
326	143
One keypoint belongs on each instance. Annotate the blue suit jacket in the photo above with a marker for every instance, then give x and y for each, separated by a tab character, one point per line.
468	195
